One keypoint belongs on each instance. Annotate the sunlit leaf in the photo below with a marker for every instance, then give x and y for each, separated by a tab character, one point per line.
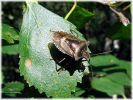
35	63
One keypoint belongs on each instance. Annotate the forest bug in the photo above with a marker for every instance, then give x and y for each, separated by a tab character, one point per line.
71	45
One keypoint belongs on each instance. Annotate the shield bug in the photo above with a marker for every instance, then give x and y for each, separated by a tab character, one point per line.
71	45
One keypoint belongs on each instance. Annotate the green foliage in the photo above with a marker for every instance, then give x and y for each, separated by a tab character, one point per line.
80	16
126	65
112	74
2	77
78	92
107	86
10	49
35	63
13	88
91	6
120	78
119	31
103	60
9	34
116	74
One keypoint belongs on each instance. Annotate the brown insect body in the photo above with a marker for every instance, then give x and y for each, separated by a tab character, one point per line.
71	45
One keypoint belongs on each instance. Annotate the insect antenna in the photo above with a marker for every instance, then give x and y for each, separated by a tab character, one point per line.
102	53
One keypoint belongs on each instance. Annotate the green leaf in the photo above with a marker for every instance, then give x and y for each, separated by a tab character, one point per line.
9	34
120	78
91	5
10	49
121	64
107	60
126	65
117	77
13	88
80	16
2	77
78	92
103	60
35	63
107	86
119	31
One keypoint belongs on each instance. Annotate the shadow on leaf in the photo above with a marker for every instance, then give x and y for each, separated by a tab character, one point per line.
68	63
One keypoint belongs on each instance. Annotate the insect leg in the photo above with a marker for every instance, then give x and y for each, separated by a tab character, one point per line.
62	60
91	70
60	69
58	62
89	67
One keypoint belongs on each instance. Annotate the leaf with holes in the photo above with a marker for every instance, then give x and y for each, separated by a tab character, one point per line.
35	63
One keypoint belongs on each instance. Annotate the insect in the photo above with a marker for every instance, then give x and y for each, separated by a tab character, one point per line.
71	45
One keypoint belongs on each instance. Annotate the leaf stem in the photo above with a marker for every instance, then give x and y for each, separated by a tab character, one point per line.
125	8
124	97
114	97
116	12
72	9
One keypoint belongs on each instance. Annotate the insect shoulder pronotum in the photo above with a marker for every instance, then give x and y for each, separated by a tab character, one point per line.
70	45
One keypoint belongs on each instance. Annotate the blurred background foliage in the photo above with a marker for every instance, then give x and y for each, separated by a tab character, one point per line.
98	24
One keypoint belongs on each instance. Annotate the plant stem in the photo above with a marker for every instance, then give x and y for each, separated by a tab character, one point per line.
124	97
114	97
72	9
114	10
125	8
